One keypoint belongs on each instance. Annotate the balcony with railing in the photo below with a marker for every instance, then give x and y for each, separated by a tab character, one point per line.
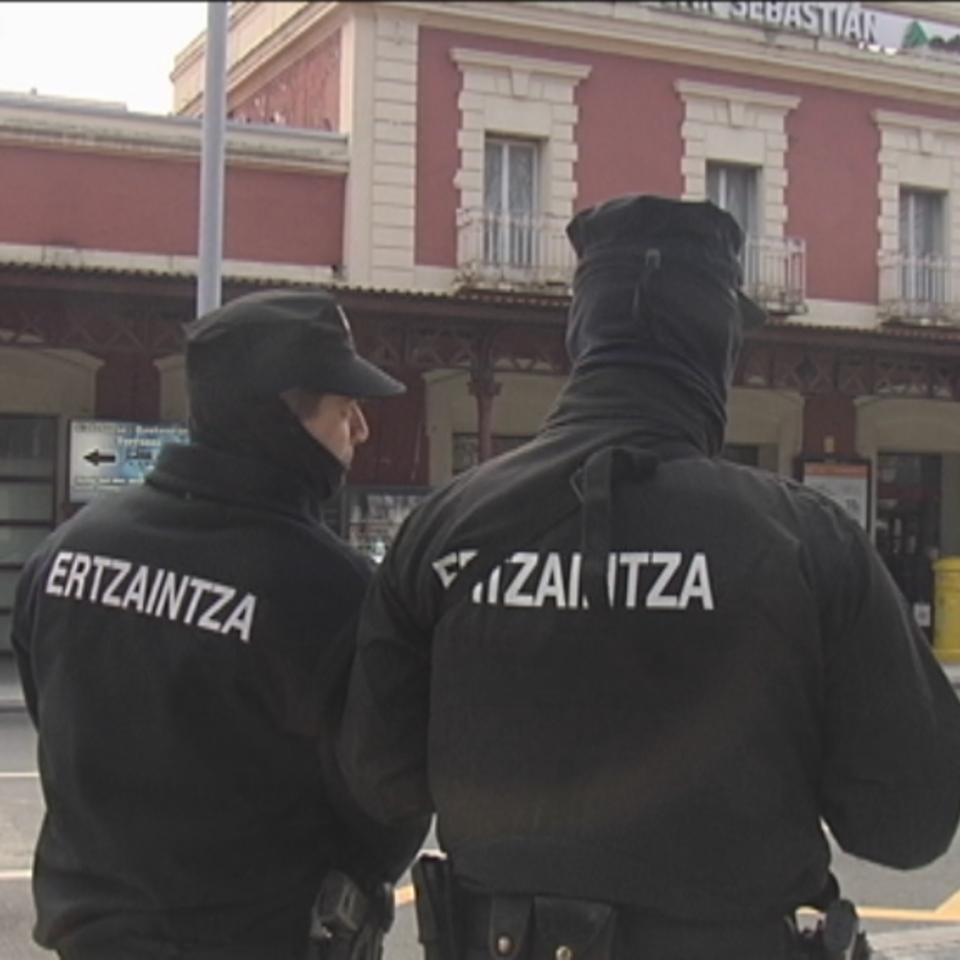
919	289
775	273
526	252
513	251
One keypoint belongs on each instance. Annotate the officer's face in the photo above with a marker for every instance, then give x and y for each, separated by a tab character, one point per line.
333	420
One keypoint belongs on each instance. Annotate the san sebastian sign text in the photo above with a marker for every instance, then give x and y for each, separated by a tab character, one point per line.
840	21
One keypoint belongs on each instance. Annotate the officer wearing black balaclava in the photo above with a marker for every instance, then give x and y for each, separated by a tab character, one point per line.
184	649
633	680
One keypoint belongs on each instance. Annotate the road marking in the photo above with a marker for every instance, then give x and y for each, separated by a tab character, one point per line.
15	875
950	908
18	775
919	916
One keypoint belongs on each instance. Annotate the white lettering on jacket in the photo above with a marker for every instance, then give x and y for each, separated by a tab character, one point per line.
657	580
153	592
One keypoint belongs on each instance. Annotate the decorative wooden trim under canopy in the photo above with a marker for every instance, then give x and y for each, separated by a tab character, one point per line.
483	332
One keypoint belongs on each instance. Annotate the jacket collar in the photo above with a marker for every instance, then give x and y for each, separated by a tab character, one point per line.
197	471
636	405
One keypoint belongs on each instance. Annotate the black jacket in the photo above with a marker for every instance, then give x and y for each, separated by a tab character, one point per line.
742	667
184	649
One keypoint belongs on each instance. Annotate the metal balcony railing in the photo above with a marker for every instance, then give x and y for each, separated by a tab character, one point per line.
919	289
507	250
775	273
496	249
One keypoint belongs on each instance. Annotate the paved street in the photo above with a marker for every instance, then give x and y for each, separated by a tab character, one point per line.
911	916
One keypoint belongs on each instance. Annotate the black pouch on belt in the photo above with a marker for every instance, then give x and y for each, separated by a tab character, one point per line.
551	928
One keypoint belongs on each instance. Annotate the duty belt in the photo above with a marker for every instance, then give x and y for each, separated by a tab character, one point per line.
459	924
549	928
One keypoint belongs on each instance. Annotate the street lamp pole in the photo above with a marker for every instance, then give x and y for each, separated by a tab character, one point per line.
212	160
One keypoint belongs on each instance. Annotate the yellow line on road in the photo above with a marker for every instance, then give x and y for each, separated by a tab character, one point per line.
950	908
920	916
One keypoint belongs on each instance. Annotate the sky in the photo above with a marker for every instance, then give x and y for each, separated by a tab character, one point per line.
120	52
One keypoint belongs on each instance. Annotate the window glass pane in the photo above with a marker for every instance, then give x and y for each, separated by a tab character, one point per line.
921	223
923	279
906	216
734	188
17	543
26	501
522	172
27	446
715	184
8	586
740	191
931	224
493	176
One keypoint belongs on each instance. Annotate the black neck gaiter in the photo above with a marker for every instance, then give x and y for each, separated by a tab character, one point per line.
264	429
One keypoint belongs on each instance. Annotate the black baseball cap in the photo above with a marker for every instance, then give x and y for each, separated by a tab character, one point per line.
267	342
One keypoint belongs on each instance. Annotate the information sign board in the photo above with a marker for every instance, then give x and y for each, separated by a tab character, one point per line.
109	455
848	483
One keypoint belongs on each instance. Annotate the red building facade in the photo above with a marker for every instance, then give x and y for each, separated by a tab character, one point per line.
423	159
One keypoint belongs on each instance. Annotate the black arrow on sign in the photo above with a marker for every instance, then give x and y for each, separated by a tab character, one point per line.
96	457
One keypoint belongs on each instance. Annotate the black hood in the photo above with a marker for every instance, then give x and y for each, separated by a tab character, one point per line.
657	289
265	430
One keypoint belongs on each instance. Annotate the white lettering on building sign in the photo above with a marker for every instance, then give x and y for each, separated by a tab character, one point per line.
840	21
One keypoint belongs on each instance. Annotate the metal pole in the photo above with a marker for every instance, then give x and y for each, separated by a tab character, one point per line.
212	160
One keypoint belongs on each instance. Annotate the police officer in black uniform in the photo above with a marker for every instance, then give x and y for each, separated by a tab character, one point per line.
633	679
184	648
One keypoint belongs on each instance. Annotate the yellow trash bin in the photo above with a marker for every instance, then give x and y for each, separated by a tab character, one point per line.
946	612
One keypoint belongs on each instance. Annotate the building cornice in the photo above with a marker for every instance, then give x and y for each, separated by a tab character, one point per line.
76	260
710	91
483	58
246	56
910	121
644	30
117	131
626	29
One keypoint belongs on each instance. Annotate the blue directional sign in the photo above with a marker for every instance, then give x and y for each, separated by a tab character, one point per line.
109	455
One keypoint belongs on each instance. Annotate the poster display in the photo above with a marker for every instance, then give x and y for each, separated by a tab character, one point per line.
846	482
109	455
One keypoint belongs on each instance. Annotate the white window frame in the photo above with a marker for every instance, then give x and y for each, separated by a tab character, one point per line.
924	277
510	235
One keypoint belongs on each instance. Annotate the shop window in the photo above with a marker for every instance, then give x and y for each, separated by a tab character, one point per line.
510	202
368	518
27	499
908	525
924	276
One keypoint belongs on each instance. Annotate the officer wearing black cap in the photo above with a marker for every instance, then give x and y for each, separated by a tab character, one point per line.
634	679
184	649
